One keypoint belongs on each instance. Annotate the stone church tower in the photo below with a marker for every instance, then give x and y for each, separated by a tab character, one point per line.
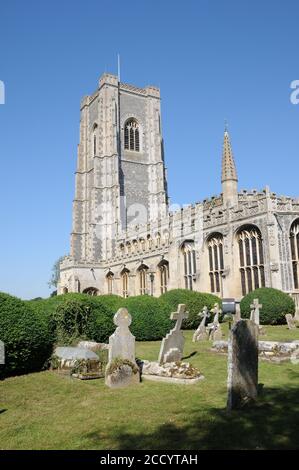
120	177
126	241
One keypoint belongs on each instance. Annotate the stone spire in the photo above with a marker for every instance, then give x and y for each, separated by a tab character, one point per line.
229	177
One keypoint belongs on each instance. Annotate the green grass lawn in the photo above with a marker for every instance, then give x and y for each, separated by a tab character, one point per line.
48	411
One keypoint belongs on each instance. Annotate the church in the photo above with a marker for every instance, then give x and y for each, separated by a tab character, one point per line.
125	238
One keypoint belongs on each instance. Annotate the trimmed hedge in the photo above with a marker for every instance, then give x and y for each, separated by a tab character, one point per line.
30	329
195	301
150	318
276	304
26	335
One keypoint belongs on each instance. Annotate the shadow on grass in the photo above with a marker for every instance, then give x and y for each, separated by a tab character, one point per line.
190	355
272	423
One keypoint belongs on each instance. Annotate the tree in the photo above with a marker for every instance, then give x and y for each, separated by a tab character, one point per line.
55	273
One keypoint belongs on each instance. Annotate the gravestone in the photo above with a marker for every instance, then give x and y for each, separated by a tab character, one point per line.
242	380
255	311
122	369
173	344
2	353
255	314
68	356
290	321
237	315
201	333
214	328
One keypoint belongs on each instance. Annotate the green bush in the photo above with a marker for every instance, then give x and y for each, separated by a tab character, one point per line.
195	301
79	316
26	335
276	304
111	301
44	309
100	323
150	317
71	317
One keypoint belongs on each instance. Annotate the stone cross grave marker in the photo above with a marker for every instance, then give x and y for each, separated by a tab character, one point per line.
242	379
201	333
290	321
122	347
214	328
255	311
2	353
173	344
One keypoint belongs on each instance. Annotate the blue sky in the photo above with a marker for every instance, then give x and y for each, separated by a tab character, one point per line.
213	60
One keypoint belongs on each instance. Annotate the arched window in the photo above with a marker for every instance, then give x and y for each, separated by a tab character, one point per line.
143	269
125	282
294	239
215	247
251	253
189	263
164	275
94	143
91	291
132	135
110	279
158	240
149	242
65	290
135	246
129	248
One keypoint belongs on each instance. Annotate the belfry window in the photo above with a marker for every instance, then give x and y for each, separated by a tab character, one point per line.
215	247
294	240
94	144
94	141
251	253
189	264
132	135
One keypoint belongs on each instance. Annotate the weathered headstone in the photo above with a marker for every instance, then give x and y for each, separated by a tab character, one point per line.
122	369
237	315
290	321
255	311
214	328
255	315
67	356
242	380
2	353
201	333
173	344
